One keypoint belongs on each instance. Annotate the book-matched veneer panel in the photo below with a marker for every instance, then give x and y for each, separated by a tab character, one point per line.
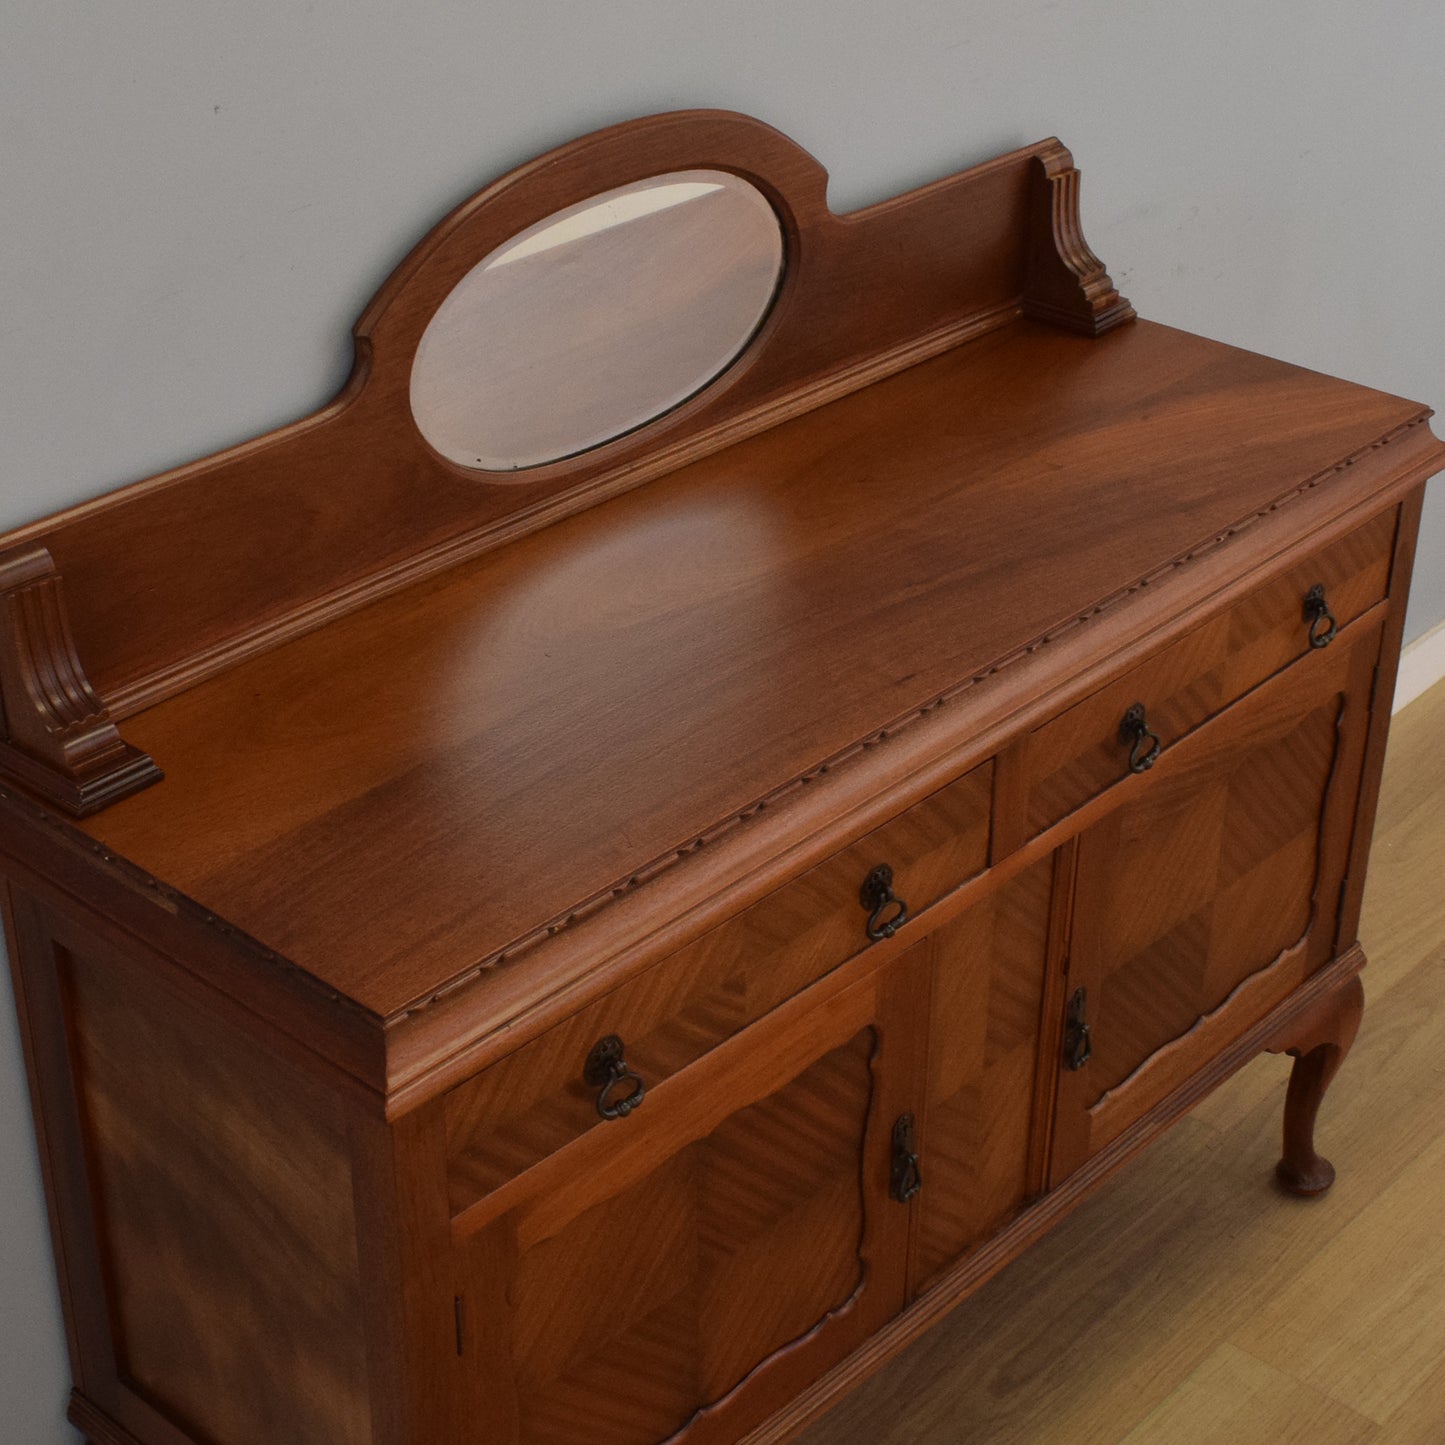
538	1098
985	1026
1205	901
743	1238
656	1303
1083	751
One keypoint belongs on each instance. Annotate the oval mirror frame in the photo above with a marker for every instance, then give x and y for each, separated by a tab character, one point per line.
596	321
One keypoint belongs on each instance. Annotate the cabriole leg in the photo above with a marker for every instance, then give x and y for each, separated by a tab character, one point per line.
1318	1042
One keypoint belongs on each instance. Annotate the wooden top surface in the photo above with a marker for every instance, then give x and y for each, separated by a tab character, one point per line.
394	798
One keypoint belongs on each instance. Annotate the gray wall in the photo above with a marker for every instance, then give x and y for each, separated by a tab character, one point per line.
199	197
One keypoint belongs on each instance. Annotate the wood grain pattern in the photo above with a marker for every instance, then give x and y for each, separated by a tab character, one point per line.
614	933
1013	1240
534	1101
305	1021
983	1052
1234	1396
670	1288
647	1304
1080	753
1382	706
864	295
419	1386
566	749
1197	905
225	1202
684	1108
1213	1301
1388	1332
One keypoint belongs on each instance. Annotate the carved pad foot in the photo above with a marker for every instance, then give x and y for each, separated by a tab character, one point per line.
1318	1042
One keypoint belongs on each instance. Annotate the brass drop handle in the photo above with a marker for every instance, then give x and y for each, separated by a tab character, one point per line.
906	1178
1078	1045
606	1070
1322	624
1142	742
887	913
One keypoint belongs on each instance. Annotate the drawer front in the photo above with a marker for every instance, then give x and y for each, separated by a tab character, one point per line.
1087	748
538	1099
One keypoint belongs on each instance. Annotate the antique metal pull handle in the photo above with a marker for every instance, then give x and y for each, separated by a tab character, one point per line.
887	913
1143	744
607	1071
906	1178
1078	1045
1321	620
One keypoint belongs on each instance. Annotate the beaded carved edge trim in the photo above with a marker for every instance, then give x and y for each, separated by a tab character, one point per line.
595	902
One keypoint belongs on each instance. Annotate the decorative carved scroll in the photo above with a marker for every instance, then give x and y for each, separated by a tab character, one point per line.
56	737
1066	284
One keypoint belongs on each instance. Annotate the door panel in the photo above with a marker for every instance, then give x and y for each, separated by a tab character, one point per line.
689	1299
987	970
661	1299
1202	901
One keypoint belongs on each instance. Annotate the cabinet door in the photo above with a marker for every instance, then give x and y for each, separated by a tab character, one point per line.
1212	893
681	1272
987	978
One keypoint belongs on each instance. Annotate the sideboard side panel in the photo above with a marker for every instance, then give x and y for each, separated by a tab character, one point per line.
1381	706
218	1256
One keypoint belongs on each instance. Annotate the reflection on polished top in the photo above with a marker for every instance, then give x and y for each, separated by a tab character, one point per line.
526	730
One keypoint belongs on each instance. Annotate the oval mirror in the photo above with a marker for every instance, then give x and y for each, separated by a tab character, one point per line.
596	320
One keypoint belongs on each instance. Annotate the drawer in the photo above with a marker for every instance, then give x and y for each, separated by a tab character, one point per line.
537	1100
1086	749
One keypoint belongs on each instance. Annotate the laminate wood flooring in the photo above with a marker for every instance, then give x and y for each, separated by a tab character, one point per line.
1191	1302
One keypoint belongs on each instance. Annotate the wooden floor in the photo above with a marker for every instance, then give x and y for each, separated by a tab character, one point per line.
1191	1301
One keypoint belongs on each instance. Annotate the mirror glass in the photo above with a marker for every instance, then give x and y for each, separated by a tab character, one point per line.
596	320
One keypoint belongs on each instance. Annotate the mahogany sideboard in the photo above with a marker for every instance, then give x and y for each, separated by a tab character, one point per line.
595	887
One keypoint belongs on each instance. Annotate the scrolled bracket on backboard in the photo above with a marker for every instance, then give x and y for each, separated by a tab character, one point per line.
1066	284
56	736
